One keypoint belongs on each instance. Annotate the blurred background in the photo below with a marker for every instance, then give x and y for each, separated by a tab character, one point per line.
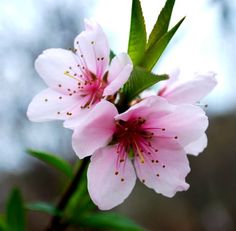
205	42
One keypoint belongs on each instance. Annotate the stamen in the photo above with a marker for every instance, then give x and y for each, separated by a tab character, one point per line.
71	76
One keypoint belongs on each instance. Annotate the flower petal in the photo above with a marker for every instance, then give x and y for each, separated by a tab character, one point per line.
107	189
96	130
50	105
173	78
119	72
153	107
164	171
190	91
93	49
186	123
51	66
197	147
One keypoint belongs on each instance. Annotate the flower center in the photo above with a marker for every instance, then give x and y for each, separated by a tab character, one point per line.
90	87
134	140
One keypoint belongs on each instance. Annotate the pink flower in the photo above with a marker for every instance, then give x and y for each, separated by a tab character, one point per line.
192	91
78	80
147	139
178	91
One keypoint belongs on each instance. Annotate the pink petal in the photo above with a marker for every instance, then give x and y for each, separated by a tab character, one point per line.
107	189
190	91
50	105
173	78
119	72
78	120
93	48
96	130
166	170
197	146
153	107
187	123
51	66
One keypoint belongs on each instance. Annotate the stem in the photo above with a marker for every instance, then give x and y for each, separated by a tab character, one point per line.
55	223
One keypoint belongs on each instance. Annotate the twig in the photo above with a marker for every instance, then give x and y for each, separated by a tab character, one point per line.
55	223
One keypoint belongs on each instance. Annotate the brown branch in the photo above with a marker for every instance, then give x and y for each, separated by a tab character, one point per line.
55	223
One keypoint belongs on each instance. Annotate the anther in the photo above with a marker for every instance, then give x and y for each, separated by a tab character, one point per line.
143	181
46	100
176	137
122	179
60	97
163	166
59	85
116	173
158	175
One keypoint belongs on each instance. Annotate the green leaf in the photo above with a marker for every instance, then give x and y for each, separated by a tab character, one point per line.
137	36
153	54
162	23
53	160
43	207
139	80
15	215
3	224
111	221
112	55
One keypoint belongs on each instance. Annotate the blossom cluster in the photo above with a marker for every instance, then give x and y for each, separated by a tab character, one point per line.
149	141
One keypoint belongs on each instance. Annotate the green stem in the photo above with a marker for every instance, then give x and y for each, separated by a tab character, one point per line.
55	223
